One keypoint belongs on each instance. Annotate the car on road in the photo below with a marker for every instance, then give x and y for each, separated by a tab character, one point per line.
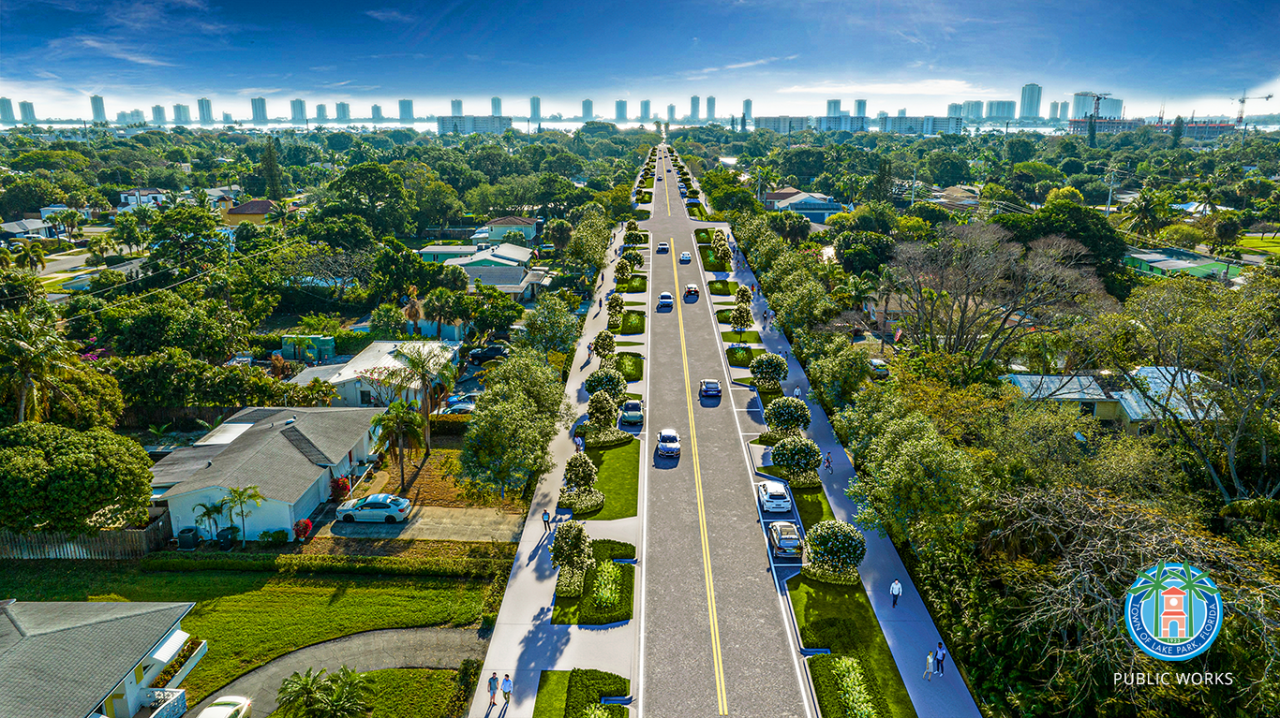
773	496
387	508
485	354
632	412
685	257
880	368
666	301
784	539
663	247
659	179
228	707
691	290
465	407
668	443
709	387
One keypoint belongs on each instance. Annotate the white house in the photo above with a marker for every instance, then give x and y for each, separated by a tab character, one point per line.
55	208
27	227
290	454
506	267
135	198
355	380
90	659
496	229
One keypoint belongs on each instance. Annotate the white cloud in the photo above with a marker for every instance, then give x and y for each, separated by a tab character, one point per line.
390	15
116	49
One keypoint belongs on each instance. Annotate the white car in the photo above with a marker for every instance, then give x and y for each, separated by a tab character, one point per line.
668	443
666	301
880	368
663	247
228	707
773	496
388	508
686	257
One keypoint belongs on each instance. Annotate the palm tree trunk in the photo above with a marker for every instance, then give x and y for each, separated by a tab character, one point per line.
400	452
22	399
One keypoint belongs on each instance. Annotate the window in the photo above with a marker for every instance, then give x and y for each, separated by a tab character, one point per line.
1088	408
366	398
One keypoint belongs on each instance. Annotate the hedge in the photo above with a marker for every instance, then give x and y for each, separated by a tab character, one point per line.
449	424
346	342
631	365
324	563
608	549
826	685
587	686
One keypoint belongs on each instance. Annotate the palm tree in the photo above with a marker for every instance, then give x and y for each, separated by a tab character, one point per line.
209	512
1157	582
301	693
1195	587
6	259
1145	215
423	366
69	219
854	292
102	244
413	310
1205	195
32	354
438	307
398	427
31	256
146	216
281	215
238	500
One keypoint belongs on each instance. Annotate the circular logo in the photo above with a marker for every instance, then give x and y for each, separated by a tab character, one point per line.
1173	611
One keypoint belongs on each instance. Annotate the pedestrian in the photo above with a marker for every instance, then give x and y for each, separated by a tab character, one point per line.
546	515
796	393
493	689
830	469
941	658
895	590
506	688
928	667
602	302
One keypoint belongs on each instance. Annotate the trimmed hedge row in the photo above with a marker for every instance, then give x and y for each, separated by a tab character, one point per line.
325	563
587	686
826	685
449	424
608	549
827	672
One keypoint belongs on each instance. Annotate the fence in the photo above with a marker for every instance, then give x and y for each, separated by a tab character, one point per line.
118	544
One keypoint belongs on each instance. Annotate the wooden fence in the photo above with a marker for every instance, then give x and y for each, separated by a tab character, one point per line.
119	544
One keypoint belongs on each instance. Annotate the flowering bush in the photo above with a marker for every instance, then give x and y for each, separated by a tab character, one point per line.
302	529
339	487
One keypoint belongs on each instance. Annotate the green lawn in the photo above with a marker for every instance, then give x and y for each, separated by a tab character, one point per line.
742	356
709	261
703	235
812	506
552	689
724	315
618	478
632	322
747	337
644	198
631	365
722	287
418	693
1257	244
697	212
840	618
647	183
583	609
634	304
724	304
637	283
249	618
628	344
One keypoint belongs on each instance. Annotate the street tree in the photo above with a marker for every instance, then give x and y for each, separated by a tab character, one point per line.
579	472
607	380
602	410
604	343
506	445
769	370
551	326
797	456
740	319
787	415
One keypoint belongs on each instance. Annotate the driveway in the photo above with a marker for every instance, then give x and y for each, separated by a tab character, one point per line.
436	523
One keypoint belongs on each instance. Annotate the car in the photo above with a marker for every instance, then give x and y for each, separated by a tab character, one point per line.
486	354
691	290
773	496
387	508
880	368
666	301
668	443
663	247
632	412
228	707
686	257
659	179
709	387
463	408
467	398
784	539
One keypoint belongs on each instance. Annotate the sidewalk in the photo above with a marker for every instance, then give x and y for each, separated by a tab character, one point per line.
524	641
908	629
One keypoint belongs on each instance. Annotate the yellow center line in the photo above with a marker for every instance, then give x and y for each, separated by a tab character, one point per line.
721	700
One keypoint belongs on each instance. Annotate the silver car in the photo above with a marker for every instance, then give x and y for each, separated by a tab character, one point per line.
773	496
228	707
387	508
665	301
668	443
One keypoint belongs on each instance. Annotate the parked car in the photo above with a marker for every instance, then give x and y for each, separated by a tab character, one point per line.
387	508
632	412
784	539
709	387
462	408
663	247
485	354
691	290
668	443
666	301
228	707
685	257
467	398
773	496
880	368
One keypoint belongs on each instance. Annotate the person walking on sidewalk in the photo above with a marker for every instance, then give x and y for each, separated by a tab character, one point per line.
895	590
796	393
928	667
506	688
941	656
493	689
546	515
830	469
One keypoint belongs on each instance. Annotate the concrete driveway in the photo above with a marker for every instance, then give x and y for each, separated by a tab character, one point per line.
436	523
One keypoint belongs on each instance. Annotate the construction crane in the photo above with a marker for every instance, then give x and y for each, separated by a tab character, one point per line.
1097	100
1241	99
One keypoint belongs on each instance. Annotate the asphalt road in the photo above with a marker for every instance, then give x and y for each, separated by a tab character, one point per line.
715	638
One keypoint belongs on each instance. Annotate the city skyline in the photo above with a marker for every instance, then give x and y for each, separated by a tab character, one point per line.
921	57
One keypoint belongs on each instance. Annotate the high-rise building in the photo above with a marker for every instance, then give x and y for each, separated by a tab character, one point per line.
468	124
205	109
711	108
1063	110
746	111
926	125
133	117
99	109
881	115
1030	102
671	113
495	106
695	106
644	110
6	111
840	123
157	114
1111	108
782	124
1000	109
902	112
588	110
27	113
227	119
860	108
376	113
620	111
535	108
972	111
181	114
259	105
322	113
1053	110
455	108
406	112
955	109
298	110
833	108
342	111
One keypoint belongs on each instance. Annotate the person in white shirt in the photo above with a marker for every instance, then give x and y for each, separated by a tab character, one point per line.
928	666
941	656
895	590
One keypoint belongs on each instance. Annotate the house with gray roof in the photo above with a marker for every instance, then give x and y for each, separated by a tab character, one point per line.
506	267
290	454
90	659
356	379
1152	393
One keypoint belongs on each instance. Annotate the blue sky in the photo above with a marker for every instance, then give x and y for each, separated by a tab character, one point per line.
785	56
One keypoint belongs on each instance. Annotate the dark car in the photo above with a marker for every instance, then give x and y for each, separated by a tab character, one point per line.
485	354
709	387
632	412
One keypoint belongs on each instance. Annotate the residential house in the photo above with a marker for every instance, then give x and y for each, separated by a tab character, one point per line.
1106	400
55	208
135	198
290	454
26	228
495	230
355	380
90	659
813	206
1083	391
889	313
255	211
441	253
506	267
771	199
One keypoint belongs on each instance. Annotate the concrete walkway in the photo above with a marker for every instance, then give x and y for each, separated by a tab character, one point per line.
370	651
908	629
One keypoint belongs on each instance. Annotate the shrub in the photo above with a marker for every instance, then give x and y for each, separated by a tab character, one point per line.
569	582
571	548
274	538
607	588
769	370
579	472
606	380
835	547
587	686
339	487
449	424
607	438
796	454
858	700
805	480
325	564
582	501
302	529
787	414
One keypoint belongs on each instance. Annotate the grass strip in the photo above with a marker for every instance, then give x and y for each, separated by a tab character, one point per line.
618	478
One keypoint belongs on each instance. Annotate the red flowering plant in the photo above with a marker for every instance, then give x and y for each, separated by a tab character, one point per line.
339	487
302	529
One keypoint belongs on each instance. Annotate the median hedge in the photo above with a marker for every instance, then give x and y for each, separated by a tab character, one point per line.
587	686
327	564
